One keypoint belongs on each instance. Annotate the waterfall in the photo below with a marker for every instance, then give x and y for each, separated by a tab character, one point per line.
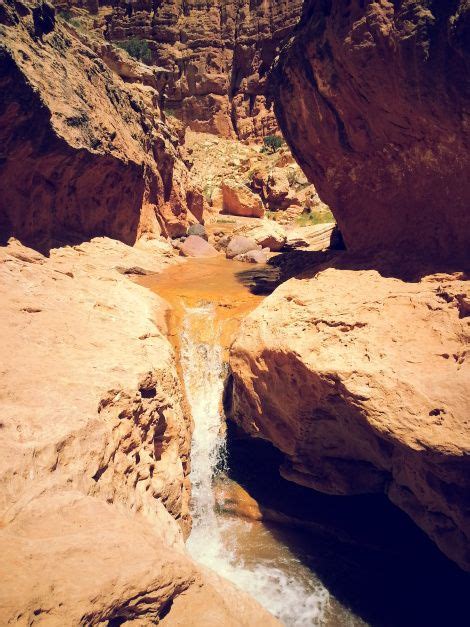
244	552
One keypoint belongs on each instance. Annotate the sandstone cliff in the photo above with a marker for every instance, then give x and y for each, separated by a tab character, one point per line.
218	54
373	99
83	154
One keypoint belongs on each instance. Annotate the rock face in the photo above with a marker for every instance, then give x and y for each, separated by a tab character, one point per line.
218	54
363	383
239	200
83	154
267	234
372	99
94	448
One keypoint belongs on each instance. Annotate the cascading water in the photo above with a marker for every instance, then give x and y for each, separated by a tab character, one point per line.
242	551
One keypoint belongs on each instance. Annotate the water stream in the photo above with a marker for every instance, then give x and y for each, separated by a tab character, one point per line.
225	543
358	561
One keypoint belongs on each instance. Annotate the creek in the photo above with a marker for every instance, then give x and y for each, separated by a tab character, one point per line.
302	575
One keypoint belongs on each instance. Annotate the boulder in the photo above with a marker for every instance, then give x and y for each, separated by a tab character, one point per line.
239	245
268	234
195	246
277	189
199	230
239	200
362	382
367	103
253	256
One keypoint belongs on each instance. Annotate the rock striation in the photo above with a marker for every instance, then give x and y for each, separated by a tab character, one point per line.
83	153
363	381
217	54
372	98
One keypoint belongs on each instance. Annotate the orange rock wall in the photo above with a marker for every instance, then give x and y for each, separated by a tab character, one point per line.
372	98
83	154
218	54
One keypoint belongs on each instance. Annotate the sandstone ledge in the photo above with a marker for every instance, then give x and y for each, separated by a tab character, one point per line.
94	446
362	382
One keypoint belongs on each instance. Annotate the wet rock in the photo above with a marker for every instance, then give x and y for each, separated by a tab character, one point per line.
195	246
239	245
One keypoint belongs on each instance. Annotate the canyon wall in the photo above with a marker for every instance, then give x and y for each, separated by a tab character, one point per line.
373	99
357	370
83	153
217	55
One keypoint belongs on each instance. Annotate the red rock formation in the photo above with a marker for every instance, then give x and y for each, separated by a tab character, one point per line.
372	98
218	54
363	383
83	154
94	448
362	380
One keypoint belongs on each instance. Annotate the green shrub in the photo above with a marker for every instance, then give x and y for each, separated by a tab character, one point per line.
292	177
169	113
65	15
315	217
272	143
137	48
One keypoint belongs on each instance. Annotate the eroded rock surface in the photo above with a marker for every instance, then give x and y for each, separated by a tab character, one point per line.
83	154
218	54
363	383
94	447
372	98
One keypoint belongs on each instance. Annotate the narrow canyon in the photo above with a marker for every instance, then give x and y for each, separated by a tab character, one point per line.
234	330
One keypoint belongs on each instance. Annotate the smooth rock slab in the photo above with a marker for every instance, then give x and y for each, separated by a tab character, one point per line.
267	234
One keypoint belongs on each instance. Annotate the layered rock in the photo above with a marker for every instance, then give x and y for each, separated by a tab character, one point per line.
218	54
372	98
83	154
94	442
363	383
